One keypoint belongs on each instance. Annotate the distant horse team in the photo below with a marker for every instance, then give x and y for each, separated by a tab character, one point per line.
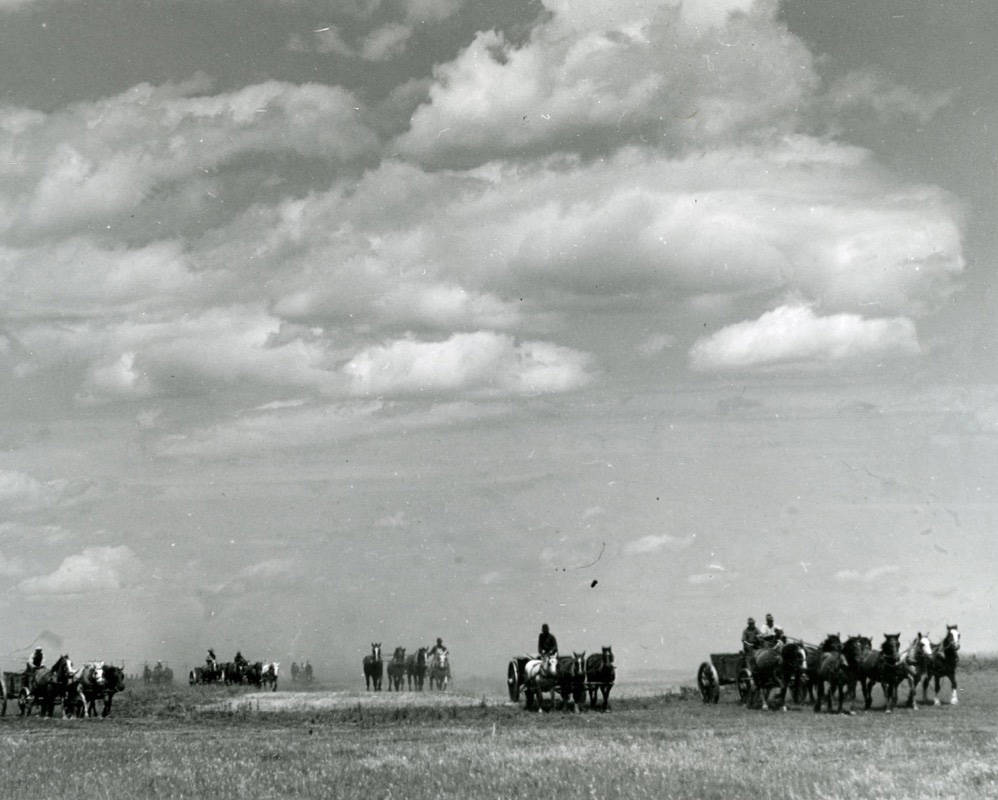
77	689
238	672
831	672
568	677
408	671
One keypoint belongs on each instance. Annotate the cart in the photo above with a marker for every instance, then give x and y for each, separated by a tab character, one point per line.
724	669
13	687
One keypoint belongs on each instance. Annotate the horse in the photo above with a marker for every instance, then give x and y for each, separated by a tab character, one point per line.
231	673
268	676
415	669
832	669
396	670
87	681
571	679
857	650
886	668
600	676
913	664
439	670
942	664
539	675
253	674
776	665
93	682
373	668
45	686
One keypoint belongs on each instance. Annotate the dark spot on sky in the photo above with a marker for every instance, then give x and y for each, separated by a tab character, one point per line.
591	585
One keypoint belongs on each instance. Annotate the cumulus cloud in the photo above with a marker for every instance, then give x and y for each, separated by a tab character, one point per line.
864	91
482	361
653	543
869	576
21	492
96	569
601	72
795	335
387	42
100	159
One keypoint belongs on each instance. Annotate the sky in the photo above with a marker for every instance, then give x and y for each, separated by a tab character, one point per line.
325	323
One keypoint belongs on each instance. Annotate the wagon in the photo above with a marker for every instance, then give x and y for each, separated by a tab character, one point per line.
724	669
13	687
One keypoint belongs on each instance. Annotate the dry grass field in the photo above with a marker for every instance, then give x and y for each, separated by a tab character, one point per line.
197	742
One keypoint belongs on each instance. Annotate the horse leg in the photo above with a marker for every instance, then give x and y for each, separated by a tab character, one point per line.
819	686
954	698
925	687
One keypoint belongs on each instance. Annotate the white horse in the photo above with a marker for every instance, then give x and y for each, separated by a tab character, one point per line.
268	675
439	669
541	674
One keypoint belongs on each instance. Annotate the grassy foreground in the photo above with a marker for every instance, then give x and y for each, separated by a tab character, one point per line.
159	745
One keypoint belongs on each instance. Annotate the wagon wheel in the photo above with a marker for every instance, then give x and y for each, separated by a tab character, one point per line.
513	682
708	683
745	685
3	702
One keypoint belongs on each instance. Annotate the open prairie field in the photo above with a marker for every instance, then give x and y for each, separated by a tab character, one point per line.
197	742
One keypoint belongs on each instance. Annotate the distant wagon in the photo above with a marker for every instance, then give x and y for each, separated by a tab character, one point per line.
724	669
14	688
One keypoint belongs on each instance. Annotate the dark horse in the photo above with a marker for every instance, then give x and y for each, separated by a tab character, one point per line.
45	686
570	678
942	664
396	670
858	651
373	668
600	676
886	668
415	669
830	667
777	665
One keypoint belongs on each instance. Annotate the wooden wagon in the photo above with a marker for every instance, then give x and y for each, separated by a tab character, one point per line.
724	669
14	688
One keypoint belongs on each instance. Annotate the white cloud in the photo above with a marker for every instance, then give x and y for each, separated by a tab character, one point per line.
869	576
319	426
653	543
795	335
864	91
387	42
601	72
96	569
481	361
96	160
20	492
655	344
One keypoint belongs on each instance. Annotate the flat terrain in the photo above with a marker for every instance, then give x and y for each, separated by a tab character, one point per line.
200	742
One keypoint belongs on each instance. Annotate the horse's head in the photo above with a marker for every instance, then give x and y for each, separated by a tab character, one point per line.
399	654
832	643
891	647
952	640
922	646
607	653
421	656
794	655
579	662
376	650
549	665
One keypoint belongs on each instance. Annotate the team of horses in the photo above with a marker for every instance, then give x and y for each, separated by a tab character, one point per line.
569	676
407	671
250	673
832	671
78	689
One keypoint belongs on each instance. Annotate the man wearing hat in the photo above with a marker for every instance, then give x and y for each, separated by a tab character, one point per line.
547	645
438	647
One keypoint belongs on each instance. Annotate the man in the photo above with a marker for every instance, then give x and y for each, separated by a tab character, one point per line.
750	636
239	660
768	628
37	659
438	647
547	645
